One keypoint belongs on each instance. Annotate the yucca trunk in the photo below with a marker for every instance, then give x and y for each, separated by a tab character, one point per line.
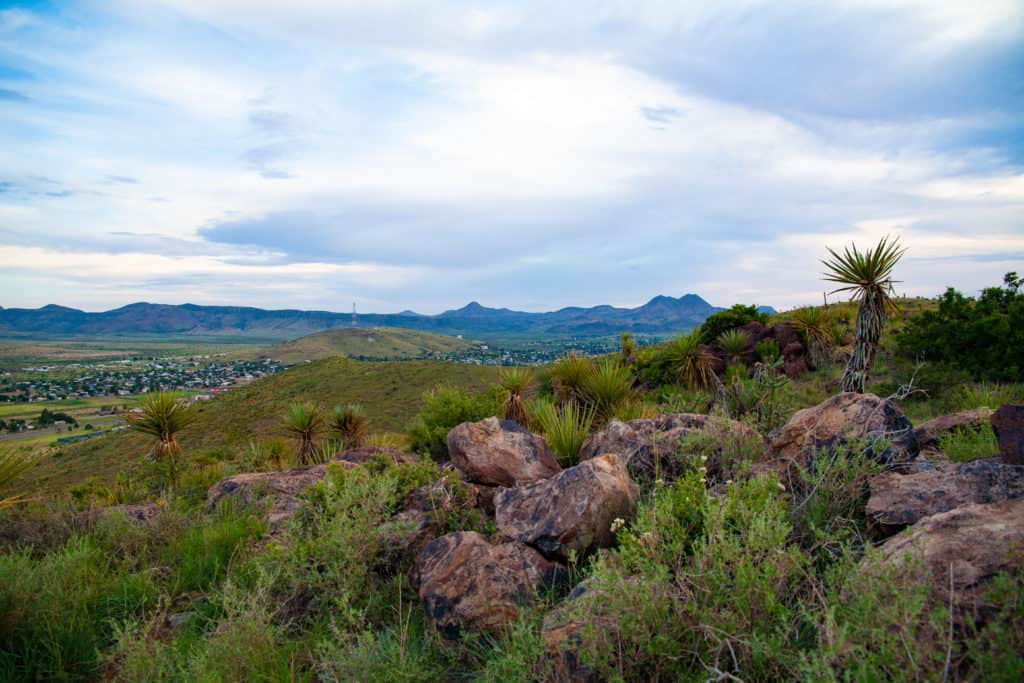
870	319
515	409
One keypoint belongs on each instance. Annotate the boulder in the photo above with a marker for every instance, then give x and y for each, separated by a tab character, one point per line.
651	446
572	511
841	420
973	543
467	584
1008	424
285	487
564	630
899	500
500	453
928	434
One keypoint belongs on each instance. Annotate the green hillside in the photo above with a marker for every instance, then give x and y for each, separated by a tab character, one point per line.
367	343
390	392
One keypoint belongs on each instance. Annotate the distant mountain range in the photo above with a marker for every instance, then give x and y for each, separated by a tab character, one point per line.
660	315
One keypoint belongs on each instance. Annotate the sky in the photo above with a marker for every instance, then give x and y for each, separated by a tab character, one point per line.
410	155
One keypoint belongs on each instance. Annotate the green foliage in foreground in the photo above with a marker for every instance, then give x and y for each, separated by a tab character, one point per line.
445	407
984	336
737	316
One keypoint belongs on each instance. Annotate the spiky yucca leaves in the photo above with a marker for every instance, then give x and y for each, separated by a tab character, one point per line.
606	387
350	424
567	376
12	464
691	362
734	343
815	325
565	428
164	414
515	382
867	277
304	423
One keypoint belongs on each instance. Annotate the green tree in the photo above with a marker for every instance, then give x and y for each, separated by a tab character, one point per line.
164	414
867	277
737	316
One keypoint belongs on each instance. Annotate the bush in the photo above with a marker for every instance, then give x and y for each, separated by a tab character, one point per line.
565	428
737	316
984	336
444	408
962	445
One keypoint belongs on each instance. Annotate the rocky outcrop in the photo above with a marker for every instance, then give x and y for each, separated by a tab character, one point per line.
653	445
1008	424
500	453
968	545
928	434
572	511
564	631
900	500
840	421
285	488
467	584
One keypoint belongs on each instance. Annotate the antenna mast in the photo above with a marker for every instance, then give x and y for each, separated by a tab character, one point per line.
355	318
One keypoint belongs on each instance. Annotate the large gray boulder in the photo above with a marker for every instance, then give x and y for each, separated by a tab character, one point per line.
843	420
900	500
468	584
572	511
500	453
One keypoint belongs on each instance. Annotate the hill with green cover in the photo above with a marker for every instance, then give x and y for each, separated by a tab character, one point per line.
366	343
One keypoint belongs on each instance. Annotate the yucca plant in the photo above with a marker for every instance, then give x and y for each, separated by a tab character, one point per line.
515	383
164	415
734	343
628	348
565	428
567	376
867	277
606	387
815	325
691	362
303	423
12	464
350	424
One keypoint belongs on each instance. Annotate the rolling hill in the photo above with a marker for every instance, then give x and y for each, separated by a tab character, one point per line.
660	315
365	343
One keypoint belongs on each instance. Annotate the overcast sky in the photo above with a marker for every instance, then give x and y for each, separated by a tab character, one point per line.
312	153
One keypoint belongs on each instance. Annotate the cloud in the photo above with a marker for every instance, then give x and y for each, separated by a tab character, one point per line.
13	96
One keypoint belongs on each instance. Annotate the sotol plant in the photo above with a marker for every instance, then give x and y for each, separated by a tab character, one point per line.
867	277
304	423
565	428
350	424
164	415
691	362
606	387
516	383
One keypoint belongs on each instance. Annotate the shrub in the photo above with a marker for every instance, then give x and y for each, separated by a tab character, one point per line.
737	316
565	428
962	445
987	395
444	408
350	424
768	350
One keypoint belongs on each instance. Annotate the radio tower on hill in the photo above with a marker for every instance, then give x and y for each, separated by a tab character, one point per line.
355	318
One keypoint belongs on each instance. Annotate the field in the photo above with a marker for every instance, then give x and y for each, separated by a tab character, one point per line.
381	343
15	353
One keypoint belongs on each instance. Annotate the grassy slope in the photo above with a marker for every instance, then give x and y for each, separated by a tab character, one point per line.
389	391
377	343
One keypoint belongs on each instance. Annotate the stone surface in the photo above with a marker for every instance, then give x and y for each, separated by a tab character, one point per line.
973	542
1008	424
928	434
842	419
564	630
285	488
899	500
500	453
572	511
650	445
467	584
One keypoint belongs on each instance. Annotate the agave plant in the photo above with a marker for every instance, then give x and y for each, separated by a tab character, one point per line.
515	382
12	464
164	415
567	376
565	428
350	424
692	363
303	423
816	326
867	277
606	387
734	343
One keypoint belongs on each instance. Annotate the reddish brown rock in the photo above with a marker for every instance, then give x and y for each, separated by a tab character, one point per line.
467	584
843	419
572	511
565	629
973	543
928	434
284	487
500	453
1008	424
899	500
653	445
